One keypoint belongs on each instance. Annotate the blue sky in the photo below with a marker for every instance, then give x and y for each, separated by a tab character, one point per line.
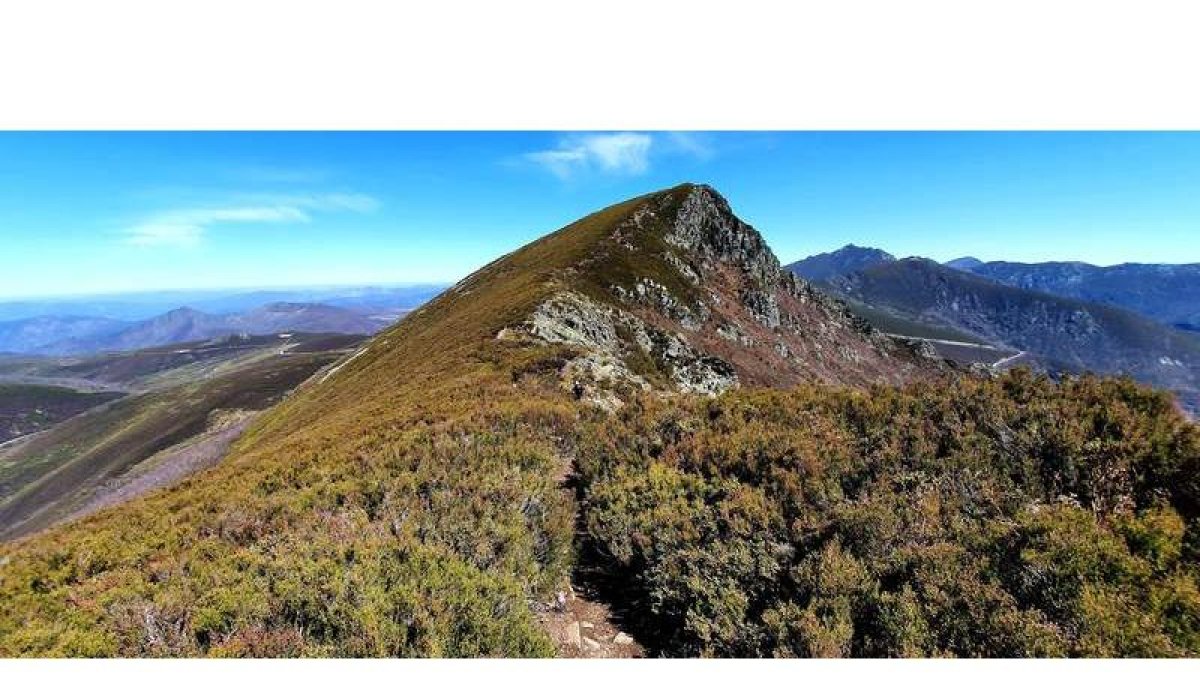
105	212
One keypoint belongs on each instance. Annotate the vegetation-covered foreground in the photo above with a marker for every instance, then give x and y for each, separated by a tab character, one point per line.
988	518
411	505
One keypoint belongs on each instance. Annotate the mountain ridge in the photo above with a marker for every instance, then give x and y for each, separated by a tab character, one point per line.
681	269
435	492
849	258
393	414
1169	294
1070	334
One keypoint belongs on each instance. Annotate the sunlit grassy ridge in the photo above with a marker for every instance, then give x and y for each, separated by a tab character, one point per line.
406	506
410	505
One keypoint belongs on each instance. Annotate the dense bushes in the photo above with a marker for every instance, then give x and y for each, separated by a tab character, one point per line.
1011	517
427	532
1005	518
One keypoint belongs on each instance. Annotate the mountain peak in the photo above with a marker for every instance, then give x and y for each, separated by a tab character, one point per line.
846	260
182	313
855	249
672	290
966	263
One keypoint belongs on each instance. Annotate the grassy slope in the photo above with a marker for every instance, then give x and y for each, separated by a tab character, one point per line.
405	506
408	505
29	408
890	322
43	478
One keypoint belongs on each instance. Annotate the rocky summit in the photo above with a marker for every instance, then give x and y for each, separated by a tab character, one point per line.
679	293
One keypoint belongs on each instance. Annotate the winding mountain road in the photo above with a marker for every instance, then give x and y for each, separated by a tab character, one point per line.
1009	359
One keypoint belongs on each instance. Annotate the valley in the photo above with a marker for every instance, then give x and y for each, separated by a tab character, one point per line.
1057	333
27	408
180	408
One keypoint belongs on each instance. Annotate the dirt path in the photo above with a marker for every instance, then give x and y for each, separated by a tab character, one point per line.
581	623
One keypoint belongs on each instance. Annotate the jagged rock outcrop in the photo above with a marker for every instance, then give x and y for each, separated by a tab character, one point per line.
612	340
682	295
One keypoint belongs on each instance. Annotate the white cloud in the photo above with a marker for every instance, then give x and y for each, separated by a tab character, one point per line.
620	153
186	227
328	201
691	143
625	152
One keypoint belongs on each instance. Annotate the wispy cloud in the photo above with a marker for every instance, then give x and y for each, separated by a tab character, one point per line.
187	226
619	153
325	201
698	145
280	174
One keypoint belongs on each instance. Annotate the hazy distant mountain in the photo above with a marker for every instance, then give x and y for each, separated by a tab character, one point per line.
145	305
42	332
966	264
845	260
1167	293
184	324
365	299
178	325
305	318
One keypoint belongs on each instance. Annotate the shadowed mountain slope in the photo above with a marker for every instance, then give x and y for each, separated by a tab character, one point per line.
1169	294
1067	334
29	408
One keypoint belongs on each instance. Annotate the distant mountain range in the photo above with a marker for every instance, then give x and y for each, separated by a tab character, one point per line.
145	305
1169	294
137	320
83	335
1068	316
28	336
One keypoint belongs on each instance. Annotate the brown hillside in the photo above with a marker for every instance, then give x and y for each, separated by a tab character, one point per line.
408	503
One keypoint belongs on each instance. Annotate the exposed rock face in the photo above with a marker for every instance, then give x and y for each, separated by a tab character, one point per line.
695	301
613	338
706	227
